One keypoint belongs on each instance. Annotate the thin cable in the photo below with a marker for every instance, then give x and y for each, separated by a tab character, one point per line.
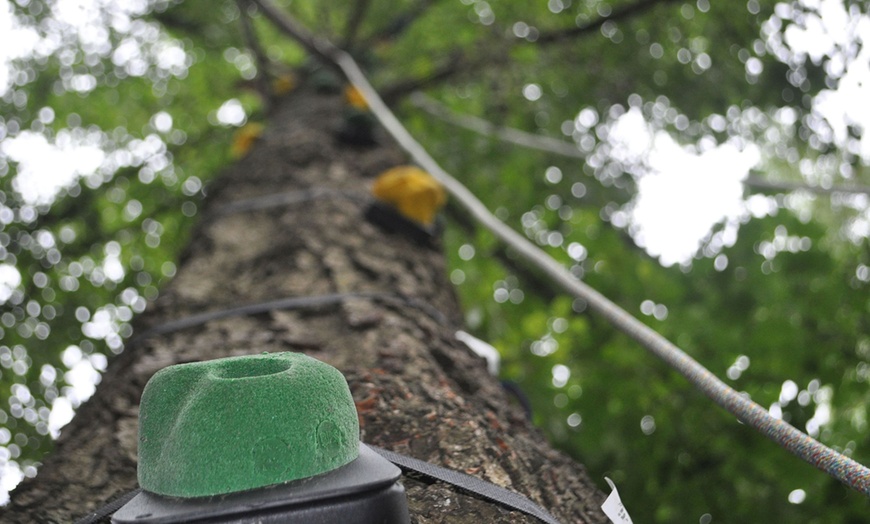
284	304
824	458
754	181
288	198
506	134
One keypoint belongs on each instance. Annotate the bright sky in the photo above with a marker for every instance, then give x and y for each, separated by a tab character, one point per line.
686	193
44	168
683	193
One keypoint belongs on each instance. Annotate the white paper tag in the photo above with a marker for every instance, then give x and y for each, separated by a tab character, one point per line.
613	507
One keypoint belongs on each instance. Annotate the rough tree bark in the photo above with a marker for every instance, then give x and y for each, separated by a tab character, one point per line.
418	390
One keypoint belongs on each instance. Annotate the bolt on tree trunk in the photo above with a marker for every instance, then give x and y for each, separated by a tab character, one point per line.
418	390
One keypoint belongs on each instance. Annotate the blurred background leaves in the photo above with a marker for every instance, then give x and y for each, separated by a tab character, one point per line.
115	115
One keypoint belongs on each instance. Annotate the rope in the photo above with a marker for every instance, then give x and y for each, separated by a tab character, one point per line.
835	464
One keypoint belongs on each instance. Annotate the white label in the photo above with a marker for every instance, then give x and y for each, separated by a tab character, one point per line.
613	507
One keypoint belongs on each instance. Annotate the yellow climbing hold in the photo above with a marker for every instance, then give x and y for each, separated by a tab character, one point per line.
354	98
244	139
412	191
283	84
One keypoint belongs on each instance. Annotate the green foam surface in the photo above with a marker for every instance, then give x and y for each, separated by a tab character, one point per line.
239	423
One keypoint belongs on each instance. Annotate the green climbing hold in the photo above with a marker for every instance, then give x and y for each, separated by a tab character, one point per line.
233	424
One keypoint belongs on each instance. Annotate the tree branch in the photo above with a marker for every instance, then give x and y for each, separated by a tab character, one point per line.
398	24
321	49
756	182
625	11
251	42
835	464
486	128
357	15
454	65
459	63
564	148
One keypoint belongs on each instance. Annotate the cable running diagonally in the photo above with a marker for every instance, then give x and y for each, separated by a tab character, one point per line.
826	459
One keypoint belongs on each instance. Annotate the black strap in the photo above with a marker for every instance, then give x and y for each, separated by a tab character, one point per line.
108	509
472	485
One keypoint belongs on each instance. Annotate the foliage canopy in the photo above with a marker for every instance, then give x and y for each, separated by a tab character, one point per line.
115	116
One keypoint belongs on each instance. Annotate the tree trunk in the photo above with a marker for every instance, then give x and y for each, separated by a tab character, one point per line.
418	390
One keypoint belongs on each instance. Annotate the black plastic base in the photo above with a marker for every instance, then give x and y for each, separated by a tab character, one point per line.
389	219
362	492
